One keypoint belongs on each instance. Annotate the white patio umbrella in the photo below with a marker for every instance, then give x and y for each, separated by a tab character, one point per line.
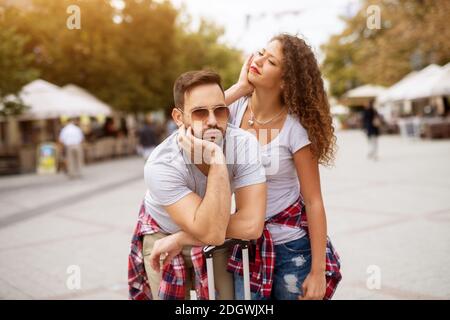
415	85
442	85
365	91
46	101
427	83
97	106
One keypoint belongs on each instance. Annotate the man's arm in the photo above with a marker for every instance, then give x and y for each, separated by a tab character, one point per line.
206	219
248	221
169	247
250	193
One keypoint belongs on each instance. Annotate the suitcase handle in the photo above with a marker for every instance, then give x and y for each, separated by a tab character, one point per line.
209	250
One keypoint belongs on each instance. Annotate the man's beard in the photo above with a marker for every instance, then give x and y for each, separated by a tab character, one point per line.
214	135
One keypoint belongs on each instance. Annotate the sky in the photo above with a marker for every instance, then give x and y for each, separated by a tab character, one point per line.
315	20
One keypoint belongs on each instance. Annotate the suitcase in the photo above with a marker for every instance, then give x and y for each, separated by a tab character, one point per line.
208	251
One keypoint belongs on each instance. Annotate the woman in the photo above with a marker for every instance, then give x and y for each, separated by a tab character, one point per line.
280	98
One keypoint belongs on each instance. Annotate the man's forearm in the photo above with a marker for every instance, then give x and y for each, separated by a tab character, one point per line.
243	227
248	221
238	228
213	213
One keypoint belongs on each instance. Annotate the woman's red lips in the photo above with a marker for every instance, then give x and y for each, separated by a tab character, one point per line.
255	70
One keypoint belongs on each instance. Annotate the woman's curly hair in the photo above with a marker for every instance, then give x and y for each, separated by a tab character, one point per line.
305	96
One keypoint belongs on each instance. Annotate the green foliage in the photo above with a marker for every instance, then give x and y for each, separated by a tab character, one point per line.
413	34
130	64
15	70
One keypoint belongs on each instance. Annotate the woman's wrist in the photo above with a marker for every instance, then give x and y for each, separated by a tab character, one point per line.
243	89
318	266
237	91
320	272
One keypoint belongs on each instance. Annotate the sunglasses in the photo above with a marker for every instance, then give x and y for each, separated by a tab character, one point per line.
201	114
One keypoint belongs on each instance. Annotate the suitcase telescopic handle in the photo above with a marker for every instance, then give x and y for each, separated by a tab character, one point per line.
209	250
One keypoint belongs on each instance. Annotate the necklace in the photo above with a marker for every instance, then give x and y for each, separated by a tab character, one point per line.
252	119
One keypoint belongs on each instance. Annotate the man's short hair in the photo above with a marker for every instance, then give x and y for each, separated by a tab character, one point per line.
191	79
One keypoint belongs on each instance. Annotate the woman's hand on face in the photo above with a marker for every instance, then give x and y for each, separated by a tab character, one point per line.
314	287
243	83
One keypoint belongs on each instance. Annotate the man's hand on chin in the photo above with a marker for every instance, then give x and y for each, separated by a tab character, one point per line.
201	151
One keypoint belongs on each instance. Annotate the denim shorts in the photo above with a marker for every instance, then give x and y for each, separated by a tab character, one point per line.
292	266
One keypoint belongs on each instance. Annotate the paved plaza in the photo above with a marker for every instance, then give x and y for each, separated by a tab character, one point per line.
389	220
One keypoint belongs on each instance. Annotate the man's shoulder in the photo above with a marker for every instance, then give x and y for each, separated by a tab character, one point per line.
242	148
66	128
234	131
166	155
71	127
239	139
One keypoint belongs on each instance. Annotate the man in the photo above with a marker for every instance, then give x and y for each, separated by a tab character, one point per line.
371	123
190	177
71	138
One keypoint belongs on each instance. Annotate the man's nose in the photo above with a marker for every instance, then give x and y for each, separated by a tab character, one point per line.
212	120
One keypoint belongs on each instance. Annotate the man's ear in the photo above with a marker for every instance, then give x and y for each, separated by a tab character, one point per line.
177	116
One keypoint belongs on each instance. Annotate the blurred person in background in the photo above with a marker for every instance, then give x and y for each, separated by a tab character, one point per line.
148	138
96	130
171	127
71	137
371	124
123	129
109	129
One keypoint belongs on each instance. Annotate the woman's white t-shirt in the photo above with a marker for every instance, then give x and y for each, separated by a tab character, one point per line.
283	187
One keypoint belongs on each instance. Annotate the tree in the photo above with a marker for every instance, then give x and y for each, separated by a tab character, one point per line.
15	68
202	49
129	57
413	34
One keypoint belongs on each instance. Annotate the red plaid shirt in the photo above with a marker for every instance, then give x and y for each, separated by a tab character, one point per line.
262	261
172	286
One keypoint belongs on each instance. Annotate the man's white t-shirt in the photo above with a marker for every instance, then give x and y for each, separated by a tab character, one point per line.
71	135
283	187
170	175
